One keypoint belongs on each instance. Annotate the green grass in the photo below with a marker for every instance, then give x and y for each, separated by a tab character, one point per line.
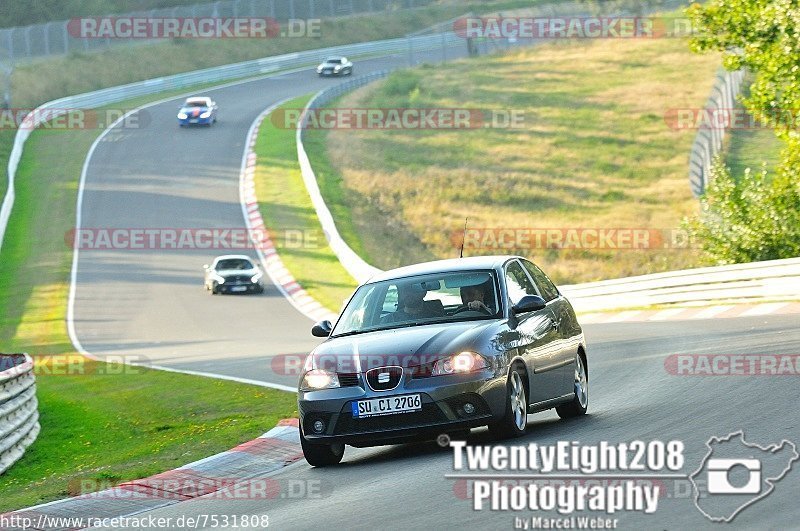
286	205
594	152
102	425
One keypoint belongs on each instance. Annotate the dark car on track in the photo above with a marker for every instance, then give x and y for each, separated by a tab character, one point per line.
233	273
335	66
439	348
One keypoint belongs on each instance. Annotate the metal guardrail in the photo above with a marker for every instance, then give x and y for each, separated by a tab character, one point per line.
708	141
354	264
55	38
753	282
19	414
230	72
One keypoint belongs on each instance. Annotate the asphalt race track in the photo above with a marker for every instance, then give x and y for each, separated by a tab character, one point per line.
631	397
149	306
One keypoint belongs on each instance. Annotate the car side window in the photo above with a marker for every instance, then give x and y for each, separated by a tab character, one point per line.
390	302
545	285
518	283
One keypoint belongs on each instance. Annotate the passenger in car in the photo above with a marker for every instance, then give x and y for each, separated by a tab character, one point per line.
411	304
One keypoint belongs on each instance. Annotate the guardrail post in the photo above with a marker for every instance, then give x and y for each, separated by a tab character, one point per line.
47	38
10	45
27	33
65	33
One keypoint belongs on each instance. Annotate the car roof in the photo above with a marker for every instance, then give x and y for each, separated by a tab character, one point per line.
198	99
233	257
442	266
332	57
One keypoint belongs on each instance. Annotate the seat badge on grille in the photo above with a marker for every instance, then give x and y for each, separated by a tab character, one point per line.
383	377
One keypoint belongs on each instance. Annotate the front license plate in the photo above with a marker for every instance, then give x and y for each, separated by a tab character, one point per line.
239	288
193	121
387	406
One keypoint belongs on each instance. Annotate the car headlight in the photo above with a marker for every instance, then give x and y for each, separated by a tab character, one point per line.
205	114
459	363
319	379
337	68
182	115
319	68
255	278
220	279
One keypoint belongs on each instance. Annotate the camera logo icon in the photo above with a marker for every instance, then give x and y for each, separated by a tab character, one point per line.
735	474
719	476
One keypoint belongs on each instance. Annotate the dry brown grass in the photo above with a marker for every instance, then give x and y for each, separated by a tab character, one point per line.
594	152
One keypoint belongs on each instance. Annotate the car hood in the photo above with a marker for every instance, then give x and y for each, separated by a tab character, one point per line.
407	347
224	273
329	65
193	111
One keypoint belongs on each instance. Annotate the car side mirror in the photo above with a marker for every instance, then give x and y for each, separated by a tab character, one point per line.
529	303
322	329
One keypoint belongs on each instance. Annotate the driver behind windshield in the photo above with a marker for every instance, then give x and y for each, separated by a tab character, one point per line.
474	298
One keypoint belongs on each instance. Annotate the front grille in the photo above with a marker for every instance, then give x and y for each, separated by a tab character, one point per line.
347	379
384	378
237	278
347	424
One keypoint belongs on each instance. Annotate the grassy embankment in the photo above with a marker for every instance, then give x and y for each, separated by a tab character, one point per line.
595	151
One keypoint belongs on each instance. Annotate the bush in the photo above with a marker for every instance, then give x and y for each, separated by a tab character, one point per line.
751	219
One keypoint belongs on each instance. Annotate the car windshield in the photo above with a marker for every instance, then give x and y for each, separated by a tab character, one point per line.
415	301
195	104
333	61
234	263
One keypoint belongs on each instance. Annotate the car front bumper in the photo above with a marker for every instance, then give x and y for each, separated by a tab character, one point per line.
196	121
240	288
442	397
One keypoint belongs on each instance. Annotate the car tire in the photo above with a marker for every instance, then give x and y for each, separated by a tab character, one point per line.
214	289
515	419
580	401
321	455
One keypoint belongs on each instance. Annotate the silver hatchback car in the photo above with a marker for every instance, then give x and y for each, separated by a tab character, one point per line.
442	347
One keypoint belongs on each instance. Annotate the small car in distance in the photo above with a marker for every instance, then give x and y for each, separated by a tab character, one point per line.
335	66
198	111
233	273
440	348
